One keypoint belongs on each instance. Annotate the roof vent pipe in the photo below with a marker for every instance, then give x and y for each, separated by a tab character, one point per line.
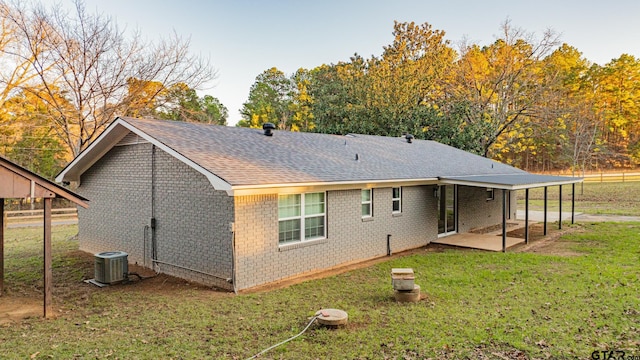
268	128
409	138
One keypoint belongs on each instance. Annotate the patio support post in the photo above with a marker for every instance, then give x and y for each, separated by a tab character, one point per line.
573	203
560	207
504	220
526	216
48	271
1	246
545	212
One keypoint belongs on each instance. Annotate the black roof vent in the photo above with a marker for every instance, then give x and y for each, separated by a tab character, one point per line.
268	128
409	138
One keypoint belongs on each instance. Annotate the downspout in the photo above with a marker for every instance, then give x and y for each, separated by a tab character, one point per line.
389	253
152	225
233	258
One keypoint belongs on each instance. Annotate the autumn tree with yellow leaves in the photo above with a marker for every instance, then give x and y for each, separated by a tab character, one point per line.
524	100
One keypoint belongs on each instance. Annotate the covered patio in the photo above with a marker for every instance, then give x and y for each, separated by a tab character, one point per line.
512	182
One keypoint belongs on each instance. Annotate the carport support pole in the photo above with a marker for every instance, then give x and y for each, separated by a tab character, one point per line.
544	232
560	207
1	246
526	216
48	271
504	220
573	203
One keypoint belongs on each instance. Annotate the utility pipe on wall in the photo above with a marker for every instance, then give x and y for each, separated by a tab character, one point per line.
388	244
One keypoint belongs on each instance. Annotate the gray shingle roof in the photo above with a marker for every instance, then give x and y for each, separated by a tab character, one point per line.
242	156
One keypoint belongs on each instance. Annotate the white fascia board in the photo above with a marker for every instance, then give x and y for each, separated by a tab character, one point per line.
92	153
554	183
507	186
217	182
101	149
294	188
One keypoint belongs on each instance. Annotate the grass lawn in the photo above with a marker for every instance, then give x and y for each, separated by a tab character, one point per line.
568	298
595	198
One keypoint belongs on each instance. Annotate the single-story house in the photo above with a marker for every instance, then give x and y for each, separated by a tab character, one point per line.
237	207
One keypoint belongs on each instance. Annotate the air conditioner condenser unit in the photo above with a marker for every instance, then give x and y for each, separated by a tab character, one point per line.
111	267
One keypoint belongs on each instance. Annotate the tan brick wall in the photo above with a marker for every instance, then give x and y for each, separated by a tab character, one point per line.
260	259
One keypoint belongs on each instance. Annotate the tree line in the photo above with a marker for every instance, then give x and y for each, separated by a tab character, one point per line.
66	74
529	101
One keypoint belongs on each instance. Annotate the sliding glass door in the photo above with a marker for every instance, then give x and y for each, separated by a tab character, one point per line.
447	210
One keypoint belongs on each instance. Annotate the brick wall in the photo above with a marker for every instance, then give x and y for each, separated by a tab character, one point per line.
475	211
119	189
192	224
192	219
260	259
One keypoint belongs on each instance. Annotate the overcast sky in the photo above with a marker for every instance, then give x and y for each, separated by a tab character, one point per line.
244	38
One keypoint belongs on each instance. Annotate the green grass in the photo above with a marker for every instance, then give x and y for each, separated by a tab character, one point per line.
595	198
24	253
478	305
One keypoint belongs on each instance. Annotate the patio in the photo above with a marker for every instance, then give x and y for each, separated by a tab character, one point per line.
490	241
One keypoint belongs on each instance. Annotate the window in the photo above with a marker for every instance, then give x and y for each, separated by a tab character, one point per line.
491	195
397	199
301	217
367	203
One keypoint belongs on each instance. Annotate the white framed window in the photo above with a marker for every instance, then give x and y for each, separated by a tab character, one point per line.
491	194
396	197
367	203
301	217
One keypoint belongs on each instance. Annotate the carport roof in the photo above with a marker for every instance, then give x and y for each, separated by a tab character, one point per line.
510	181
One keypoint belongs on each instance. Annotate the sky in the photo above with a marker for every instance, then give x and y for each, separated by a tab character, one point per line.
242	38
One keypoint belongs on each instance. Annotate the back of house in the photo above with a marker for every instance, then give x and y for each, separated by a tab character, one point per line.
237	208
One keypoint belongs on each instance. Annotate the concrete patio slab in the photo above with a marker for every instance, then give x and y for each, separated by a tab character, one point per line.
488	242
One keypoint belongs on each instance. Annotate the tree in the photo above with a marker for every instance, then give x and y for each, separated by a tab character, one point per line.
178	102
410	72
566	110
500	81
182	103
302	102
270	99
35	146
395	93
339	97
90	60
14	72
213	110
619	101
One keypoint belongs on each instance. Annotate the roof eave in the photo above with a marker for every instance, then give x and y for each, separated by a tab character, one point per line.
289	188
508	186
110	137
56	189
